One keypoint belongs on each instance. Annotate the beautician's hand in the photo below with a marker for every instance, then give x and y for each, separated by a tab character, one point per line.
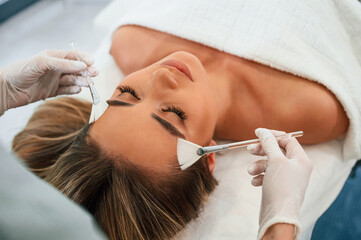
47	74
284	178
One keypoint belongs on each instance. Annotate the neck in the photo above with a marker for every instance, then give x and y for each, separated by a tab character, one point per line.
229	81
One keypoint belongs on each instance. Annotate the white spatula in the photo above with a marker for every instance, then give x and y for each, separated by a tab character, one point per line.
99	104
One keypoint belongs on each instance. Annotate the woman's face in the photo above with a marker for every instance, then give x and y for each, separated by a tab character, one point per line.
153	107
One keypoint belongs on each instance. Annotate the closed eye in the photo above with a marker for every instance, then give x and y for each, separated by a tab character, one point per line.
180	113
166	125
127	89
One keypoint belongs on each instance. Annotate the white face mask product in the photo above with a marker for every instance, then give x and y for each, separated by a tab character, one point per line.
188	153
99	105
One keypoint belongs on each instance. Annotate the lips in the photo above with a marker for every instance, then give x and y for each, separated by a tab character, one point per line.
179	66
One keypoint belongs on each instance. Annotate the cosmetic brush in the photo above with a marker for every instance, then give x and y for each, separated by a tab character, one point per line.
99	105
188	153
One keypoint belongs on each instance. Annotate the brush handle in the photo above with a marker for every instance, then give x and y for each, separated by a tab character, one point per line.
211	149
93	91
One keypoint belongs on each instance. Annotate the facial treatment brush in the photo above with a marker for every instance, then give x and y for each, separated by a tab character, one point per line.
188	153
99	105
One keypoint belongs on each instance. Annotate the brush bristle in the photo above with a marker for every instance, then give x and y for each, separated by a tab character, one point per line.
187	153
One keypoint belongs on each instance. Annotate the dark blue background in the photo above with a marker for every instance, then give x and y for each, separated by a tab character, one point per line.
11	7
342	221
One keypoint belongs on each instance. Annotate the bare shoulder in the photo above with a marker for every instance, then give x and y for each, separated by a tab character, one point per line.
291	103
321	115
300	104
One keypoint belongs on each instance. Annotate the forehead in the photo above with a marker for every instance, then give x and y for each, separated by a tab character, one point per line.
137	136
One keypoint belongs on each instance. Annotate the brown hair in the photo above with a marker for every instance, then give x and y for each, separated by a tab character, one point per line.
128	201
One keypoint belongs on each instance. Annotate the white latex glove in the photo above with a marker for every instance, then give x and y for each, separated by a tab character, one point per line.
284	178
47	74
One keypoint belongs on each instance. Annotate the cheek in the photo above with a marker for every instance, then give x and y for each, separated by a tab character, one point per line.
204	118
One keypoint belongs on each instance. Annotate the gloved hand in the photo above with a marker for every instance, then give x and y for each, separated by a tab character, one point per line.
284	178
47	74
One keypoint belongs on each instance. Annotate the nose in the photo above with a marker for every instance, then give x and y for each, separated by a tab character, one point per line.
162	79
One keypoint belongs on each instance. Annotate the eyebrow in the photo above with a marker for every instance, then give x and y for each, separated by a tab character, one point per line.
118	103
165	124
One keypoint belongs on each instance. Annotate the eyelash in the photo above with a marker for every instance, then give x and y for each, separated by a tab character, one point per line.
130	90
177	111
181	114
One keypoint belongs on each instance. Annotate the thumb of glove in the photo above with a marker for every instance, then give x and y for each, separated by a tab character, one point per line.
269	143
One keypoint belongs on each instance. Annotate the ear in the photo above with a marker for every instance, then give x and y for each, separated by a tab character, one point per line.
211	158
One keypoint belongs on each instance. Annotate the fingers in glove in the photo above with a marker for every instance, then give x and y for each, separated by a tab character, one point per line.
69	90
257	181
65	65
257	167
83	56
269	143
70	80
93	71
293	148
71	55
89	72
256	149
